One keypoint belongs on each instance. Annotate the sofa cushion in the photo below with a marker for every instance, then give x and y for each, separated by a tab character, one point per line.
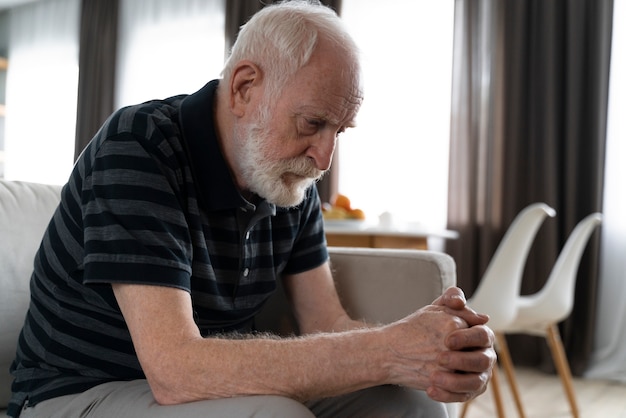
25	210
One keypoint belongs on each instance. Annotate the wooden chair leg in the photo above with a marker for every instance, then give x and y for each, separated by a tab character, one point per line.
507	363
464	410
562	366
497	397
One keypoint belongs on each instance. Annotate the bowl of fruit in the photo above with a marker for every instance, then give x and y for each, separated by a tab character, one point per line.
340	213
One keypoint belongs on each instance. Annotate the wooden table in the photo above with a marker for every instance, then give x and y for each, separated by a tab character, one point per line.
378	237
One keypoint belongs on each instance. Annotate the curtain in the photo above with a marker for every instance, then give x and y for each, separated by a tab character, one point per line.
96	80
167	48
530	91
475	169
149	61
42	81
608	359
239	12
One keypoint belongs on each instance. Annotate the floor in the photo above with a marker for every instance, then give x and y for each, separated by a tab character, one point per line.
543	397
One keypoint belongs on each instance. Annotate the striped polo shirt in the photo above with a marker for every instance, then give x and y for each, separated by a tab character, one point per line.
151	201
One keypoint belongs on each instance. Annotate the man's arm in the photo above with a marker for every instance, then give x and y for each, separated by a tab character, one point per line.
469	349
181	366
315	302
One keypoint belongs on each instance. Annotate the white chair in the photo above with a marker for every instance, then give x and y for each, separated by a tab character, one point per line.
500	285
539	314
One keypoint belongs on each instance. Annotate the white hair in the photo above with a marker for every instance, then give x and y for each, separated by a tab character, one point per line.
281	38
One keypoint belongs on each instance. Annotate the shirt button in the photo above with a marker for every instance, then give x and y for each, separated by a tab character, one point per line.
246	271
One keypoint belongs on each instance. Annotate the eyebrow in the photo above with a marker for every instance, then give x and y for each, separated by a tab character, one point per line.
351	123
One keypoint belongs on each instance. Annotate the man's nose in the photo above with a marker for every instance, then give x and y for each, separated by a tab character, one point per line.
321	151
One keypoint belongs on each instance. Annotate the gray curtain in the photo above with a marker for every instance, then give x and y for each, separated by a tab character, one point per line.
530	92
96	79
237	13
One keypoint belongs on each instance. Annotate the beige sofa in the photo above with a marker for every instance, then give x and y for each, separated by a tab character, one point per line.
376	285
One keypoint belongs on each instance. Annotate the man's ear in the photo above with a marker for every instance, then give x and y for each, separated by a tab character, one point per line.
244	82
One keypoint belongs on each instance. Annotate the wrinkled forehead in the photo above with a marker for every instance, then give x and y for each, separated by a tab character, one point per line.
329	98
329	84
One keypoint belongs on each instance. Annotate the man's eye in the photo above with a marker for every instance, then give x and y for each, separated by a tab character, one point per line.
315	123
311	126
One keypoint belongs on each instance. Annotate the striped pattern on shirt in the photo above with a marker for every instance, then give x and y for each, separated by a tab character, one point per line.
134	211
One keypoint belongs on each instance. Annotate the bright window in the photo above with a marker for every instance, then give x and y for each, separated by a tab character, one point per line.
42	90
396	159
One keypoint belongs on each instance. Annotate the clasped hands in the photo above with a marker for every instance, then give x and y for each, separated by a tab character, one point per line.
444	348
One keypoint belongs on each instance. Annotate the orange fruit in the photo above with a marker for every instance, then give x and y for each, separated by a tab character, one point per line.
342	201
357	214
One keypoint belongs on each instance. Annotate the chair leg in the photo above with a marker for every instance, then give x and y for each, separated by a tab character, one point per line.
464	410
562	366
505	358
497	396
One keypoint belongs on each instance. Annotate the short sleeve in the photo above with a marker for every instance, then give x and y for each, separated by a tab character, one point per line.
135	229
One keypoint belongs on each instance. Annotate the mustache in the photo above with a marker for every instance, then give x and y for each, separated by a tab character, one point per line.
303	166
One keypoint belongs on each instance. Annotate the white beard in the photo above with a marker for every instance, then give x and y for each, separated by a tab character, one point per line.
281	182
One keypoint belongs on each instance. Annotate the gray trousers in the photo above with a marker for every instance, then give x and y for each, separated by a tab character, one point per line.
134	400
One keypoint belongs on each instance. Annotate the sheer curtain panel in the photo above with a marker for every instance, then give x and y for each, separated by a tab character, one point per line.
42	82
168	48
608	360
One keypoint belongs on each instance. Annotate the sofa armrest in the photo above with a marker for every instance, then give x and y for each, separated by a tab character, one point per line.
376	285
384	285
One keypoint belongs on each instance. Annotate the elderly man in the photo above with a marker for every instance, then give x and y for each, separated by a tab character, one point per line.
175	225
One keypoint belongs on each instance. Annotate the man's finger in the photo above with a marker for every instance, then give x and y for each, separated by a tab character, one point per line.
475	337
